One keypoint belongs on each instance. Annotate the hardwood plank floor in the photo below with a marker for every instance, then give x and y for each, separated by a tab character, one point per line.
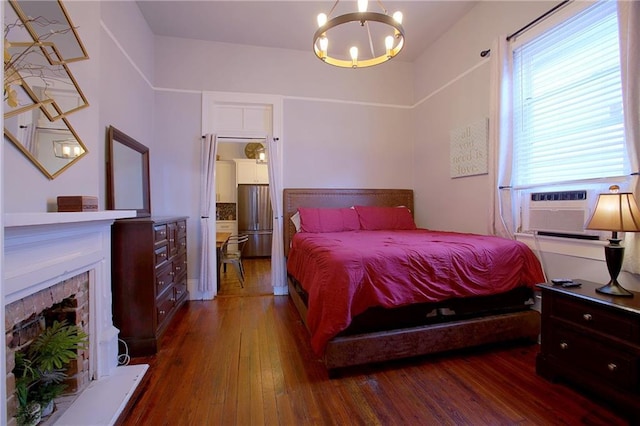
246	360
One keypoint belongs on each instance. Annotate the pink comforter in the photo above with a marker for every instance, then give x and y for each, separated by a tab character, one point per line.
345	273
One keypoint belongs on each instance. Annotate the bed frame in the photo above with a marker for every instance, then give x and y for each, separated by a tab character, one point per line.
378	346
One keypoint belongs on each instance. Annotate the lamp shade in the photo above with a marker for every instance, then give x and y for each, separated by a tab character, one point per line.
616	212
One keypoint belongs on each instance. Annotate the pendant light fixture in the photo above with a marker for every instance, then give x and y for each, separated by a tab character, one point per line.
381	50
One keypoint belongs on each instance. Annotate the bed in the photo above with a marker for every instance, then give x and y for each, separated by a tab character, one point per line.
360	314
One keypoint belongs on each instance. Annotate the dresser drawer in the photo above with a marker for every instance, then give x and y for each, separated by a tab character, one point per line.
612	365
182	228
164	278
182	244
180	266
164	305
597	318
161	255
160	233
180	289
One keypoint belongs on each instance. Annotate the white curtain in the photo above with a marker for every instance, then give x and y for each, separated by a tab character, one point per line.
629	20
208	284
278	268
501	217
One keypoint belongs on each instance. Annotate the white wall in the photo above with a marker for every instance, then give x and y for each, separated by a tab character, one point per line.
341	145
452	90
208	66
126	97
342	128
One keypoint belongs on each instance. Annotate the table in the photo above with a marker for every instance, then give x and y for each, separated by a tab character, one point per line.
221	237
593	340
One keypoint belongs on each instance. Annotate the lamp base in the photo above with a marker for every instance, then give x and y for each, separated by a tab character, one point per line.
614	289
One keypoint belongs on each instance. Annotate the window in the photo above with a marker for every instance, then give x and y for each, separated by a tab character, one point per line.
568	118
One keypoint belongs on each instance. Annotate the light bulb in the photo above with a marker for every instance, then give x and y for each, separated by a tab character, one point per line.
76	151
362	5
388	42
261	156
354	56
398	17
322	19
66	150
324	43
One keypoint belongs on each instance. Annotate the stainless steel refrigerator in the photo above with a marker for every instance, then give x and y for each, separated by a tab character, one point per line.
255	219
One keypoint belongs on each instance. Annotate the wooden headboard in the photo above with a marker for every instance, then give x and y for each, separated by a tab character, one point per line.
335	198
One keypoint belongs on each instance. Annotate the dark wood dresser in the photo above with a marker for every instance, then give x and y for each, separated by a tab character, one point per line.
592	340
149	278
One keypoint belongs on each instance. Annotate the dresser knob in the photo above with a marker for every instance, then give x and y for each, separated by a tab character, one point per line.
161	312
564	345
612	367
163	254
587	317
178	268
160	282
172	273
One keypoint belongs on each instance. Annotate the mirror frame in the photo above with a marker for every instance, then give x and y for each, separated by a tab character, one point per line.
51	174
115	136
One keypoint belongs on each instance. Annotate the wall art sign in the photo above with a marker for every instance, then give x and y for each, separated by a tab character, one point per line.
469	149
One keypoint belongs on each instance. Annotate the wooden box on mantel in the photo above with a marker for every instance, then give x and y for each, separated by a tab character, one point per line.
77	203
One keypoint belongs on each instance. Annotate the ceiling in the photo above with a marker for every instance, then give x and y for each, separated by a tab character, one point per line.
291	24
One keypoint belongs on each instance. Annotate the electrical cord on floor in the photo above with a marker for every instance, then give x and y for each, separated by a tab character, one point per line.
124	359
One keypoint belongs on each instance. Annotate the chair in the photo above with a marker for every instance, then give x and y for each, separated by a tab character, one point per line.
232	254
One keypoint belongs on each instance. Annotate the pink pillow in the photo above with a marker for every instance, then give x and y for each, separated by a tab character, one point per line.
328	220
385	218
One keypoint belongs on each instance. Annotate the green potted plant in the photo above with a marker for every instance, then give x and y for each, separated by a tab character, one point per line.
41	369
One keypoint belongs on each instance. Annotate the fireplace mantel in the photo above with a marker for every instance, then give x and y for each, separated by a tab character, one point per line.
12	220
42	249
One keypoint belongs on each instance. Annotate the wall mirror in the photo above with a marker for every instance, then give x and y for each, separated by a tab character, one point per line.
40	91
52	146
53	87
46	20
127	173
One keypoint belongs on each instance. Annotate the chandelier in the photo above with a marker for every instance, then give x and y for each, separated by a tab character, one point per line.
389	47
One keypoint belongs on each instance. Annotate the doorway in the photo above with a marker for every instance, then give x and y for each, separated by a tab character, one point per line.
257	270
251	115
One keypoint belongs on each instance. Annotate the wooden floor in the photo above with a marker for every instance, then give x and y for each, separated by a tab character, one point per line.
257	282
246	360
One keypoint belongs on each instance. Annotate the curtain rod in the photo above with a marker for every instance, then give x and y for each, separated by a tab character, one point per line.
239	137
529	25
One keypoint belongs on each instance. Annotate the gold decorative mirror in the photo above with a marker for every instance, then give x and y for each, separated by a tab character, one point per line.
52	146
39	89
48	21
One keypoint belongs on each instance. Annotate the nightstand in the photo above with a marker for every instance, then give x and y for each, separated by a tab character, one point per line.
592	340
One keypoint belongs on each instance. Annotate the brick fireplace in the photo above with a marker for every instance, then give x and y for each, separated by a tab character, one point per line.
53	258
67	300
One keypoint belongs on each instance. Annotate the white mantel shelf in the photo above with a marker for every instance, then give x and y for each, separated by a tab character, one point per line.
32	219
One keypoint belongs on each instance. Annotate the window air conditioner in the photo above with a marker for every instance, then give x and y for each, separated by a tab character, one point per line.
563	213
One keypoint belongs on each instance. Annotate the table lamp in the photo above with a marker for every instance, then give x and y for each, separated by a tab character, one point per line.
617	212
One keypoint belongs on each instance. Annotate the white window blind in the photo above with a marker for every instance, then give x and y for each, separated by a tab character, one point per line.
568	119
